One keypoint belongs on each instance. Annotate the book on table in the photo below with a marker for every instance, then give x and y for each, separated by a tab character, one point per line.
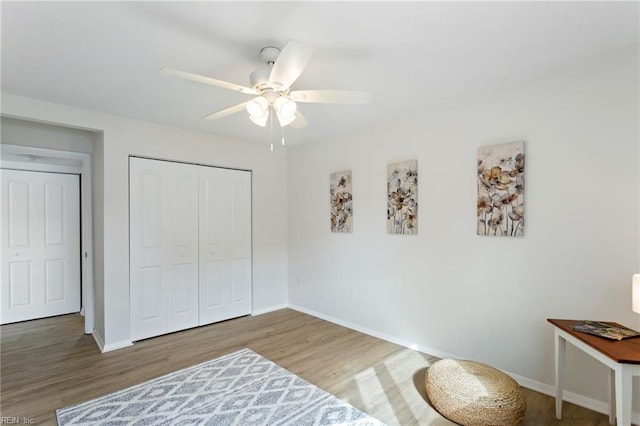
603	329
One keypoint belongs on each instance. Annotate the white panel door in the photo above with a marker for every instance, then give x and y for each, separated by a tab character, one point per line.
40	245
225	244
163	247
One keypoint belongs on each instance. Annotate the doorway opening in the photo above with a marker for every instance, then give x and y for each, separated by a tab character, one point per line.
28	158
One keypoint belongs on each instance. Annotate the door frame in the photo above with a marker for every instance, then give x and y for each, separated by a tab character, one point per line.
34	159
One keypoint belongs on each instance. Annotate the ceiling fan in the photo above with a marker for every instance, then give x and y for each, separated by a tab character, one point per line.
271	86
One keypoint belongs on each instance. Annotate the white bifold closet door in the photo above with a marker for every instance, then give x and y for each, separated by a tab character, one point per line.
190	245
225	244
163	247
40	245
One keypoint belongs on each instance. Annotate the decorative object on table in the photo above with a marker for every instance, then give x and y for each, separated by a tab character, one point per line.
341	202
240	388
609	330
635	293
402	197
501	189
472	393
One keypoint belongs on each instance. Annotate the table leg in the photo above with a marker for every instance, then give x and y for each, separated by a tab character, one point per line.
623	394
560	346
612	398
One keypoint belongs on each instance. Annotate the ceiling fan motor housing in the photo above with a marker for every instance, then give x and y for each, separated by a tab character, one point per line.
260	78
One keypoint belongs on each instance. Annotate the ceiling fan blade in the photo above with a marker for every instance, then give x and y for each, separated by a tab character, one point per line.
292	60
331	96
299	122
208	80
226	111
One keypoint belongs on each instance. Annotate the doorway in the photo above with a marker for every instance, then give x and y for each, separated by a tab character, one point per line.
26	158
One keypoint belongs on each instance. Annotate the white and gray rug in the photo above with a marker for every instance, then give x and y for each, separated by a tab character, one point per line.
242	388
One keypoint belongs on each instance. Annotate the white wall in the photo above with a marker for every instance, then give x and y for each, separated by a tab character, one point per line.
122	137
41	135
451	292
98	211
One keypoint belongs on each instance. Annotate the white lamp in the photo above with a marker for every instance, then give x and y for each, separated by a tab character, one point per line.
635	294
285	120
285	110
285	106
258	109
260	120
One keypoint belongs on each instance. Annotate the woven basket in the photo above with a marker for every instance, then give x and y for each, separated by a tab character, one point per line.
474	394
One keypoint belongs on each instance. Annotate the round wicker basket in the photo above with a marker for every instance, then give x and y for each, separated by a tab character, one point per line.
472	393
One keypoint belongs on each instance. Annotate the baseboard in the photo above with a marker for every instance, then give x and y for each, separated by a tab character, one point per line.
118	345
371	332
112	346
98	340
256	312
574	398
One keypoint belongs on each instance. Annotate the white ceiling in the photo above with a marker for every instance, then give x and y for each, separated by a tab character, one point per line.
411	55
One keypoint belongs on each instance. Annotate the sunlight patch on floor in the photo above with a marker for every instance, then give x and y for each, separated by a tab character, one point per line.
394	388
370	389
402	367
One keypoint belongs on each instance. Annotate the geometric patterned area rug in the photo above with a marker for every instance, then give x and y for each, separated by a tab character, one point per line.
242	388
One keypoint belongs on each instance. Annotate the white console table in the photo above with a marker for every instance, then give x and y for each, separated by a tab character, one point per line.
622	356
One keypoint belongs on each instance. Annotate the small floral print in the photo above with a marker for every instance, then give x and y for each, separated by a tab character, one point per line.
501	189
341	202
402	197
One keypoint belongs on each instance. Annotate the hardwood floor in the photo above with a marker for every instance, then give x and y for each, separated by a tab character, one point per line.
49	364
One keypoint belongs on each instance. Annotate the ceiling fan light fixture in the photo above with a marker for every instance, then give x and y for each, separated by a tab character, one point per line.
285	107
258	107
285	120
260	120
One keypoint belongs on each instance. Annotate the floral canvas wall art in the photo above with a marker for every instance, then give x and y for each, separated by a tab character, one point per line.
402	197
341	202
501	189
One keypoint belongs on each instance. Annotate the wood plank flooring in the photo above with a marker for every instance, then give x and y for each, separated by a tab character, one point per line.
49	364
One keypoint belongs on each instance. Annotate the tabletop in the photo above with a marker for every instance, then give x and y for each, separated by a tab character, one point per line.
625	351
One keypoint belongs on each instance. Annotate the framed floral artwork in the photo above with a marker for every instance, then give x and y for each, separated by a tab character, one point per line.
341	202
501	189
402	197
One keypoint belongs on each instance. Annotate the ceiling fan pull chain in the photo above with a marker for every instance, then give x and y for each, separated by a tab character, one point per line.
271	126
282	135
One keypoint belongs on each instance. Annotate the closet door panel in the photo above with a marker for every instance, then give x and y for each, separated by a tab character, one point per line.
148	191
214	249
239	184
163	247
211	285
225	245
41	251
182	233
148	315
150	291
